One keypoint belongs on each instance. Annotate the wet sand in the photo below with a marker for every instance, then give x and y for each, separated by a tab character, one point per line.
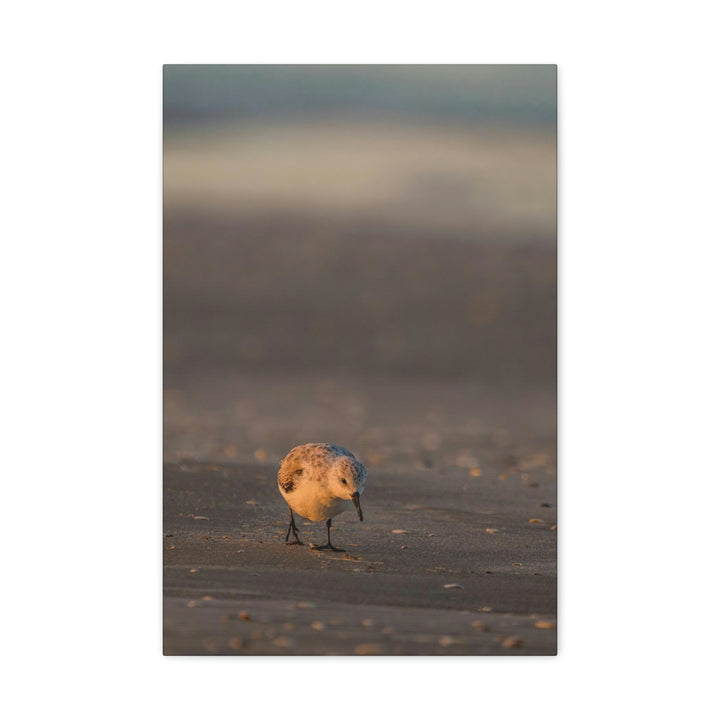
486	527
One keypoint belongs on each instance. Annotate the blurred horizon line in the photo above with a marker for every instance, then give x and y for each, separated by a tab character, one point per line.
511	95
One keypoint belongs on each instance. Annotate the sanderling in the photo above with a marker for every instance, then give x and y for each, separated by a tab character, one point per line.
318	482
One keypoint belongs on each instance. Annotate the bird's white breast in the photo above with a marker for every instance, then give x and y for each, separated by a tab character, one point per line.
314	502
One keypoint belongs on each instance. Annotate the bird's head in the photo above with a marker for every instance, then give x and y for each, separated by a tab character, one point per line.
347	481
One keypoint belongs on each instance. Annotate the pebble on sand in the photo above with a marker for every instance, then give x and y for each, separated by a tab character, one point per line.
243	615
236	643
545	624
201	517
399	532
492	531
476	472
317	625
536	520
453	586
512	642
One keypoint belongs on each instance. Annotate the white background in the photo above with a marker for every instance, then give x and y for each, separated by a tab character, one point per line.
81	130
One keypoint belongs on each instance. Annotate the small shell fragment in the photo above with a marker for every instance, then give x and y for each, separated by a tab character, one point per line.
544	624
536	520
317	625
399	532
492	531
512	642
201	517
453	586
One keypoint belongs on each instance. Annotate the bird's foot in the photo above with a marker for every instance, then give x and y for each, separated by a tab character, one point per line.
329	546
294	542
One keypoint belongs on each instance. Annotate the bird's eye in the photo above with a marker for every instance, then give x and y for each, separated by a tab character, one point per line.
344	481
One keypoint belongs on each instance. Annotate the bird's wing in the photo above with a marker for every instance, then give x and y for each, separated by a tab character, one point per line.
290	472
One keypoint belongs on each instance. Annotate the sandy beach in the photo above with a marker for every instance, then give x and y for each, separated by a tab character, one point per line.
388	285
457	554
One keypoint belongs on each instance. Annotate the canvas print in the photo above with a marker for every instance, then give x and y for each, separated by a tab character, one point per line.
360	360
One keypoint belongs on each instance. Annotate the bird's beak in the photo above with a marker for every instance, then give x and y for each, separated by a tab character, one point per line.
355	497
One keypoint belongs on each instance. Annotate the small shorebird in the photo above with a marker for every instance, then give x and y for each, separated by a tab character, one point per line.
318	482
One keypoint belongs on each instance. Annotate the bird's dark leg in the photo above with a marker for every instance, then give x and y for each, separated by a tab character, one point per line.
329	545
292	527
